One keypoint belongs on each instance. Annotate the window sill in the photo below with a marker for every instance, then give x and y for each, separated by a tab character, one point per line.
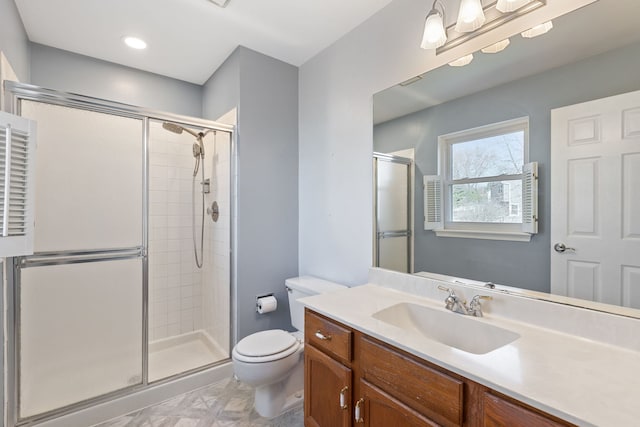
514	236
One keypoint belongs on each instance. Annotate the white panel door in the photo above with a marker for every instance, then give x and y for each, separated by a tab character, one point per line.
595	200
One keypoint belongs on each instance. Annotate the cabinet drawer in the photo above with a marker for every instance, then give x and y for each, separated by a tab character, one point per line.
428	391
329	336
499	412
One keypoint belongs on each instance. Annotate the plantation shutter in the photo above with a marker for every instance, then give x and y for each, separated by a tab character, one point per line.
530	198
17	154
432	202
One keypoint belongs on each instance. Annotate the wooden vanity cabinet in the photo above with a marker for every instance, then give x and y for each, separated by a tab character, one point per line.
328	377
353	380
505	412
380	409
324	380
432	393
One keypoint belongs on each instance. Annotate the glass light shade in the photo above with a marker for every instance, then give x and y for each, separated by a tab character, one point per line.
470	17
461	62
505	6
538	30
497	47
434	33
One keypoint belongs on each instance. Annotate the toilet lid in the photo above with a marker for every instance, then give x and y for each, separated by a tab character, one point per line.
265	343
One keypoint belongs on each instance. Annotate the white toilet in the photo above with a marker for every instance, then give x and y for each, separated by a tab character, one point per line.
273	361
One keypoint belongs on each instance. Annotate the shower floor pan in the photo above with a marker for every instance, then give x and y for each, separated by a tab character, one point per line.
181	353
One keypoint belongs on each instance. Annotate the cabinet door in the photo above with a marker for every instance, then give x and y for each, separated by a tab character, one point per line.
499	412
378	409
325	380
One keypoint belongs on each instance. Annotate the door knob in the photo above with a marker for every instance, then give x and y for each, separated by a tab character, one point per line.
561	248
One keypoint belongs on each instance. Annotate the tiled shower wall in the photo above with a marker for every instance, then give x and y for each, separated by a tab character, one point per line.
183	298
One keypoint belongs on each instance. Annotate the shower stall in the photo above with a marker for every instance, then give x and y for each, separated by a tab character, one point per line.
129	287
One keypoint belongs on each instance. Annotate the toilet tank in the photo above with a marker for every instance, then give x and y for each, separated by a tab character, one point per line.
304	286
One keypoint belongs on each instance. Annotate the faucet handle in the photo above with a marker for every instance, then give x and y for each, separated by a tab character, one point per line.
453	302
451	299
475	307
444	288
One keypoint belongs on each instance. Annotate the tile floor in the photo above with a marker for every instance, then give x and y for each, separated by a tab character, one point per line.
225	403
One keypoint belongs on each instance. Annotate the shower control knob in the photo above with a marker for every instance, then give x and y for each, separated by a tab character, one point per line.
214	211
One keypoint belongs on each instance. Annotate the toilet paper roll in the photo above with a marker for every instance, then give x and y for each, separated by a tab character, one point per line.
267	304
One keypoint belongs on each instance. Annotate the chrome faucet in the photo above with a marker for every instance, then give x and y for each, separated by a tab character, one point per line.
453	302
458	305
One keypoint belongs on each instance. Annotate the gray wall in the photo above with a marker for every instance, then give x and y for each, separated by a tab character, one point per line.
267	192
69	72
221	93
13	40
512	263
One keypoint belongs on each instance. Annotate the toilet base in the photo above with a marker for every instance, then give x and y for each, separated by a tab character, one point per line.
274	399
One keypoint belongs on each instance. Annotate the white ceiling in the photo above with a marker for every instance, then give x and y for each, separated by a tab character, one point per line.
190	39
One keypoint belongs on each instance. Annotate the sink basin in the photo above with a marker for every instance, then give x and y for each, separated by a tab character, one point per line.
455	330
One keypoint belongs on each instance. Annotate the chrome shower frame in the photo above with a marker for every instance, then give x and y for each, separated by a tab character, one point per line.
15	93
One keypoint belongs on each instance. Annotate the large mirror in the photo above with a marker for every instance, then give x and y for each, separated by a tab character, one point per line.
590	54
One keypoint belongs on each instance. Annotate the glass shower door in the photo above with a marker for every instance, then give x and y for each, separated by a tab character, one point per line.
80	332
79	298
392	211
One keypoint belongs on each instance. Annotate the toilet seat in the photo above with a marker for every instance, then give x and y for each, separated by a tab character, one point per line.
266	346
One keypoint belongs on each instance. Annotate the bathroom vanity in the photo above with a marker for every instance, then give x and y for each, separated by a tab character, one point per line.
351	378
370	359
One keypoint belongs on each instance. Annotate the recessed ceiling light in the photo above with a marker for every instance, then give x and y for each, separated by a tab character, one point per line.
135	43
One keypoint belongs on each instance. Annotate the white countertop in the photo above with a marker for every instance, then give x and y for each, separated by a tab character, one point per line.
582	381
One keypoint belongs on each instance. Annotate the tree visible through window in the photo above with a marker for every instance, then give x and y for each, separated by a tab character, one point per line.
487	158
482	170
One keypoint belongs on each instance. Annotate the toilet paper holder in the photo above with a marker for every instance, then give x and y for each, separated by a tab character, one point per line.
258	300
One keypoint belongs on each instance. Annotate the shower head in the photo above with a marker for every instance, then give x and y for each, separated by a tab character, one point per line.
176	128
172	127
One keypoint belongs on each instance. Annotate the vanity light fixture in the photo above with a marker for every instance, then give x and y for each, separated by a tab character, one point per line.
470	16
135	43
473	21
505	6
434	34
461	62
497	47
538	30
